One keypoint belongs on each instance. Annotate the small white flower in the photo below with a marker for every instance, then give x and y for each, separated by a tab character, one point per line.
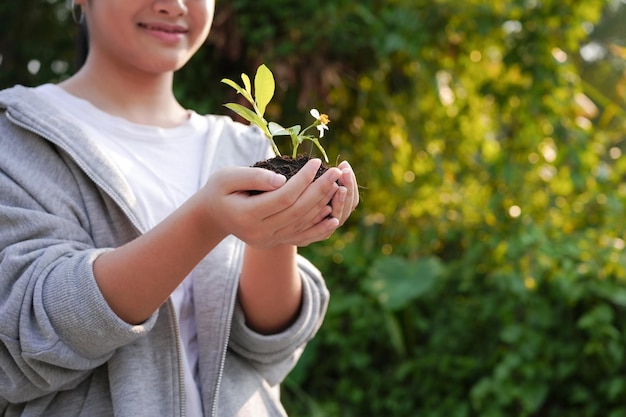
323	121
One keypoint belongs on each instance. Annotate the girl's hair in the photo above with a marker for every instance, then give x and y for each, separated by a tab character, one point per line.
82	44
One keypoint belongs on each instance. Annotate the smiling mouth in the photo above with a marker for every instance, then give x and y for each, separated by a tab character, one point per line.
165	29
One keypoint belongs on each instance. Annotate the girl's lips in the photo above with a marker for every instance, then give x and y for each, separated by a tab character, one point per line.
165	27
165	32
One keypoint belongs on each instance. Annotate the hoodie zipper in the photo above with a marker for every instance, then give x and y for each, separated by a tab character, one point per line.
138	228
179	348
220	373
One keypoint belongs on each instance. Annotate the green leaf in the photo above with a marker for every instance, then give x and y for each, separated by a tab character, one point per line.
233	85
246	83
239	90
295	129
599	315
264	87
250	116
395	282
277	130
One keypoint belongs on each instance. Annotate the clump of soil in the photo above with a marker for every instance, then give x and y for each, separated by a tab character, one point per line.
287	166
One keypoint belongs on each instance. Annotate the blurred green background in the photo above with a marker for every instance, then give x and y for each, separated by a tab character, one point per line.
484	272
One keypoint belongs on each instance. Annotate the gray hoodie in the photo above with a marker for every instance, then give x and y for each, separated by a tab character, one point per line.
63	352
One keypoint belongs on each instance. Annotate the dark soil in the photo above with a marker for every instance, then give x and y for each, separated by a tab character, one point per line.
287	166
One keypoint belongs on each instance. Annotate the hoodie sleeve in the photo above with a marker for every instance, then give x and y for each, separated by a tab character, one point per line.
274	356
56	326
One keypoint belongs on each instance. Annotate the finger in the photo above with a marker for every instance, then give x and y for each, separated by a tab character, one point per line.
238	179
305	176
300	217
306	210
298	229
338	203
321	231
347	174
348	179
344	164
280	199
325	181
320	193
313	205
324	213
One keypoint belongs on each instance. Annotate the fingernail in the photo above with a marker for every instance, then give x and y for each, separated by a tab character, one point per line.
276	180
343	193
335	175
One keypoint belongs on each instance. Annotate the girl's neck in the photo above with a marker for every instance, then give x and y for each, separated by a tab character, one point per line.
141	98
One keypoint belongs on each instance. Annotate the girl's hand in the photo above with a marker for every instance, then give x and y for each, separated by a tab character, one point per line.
293	213
346	198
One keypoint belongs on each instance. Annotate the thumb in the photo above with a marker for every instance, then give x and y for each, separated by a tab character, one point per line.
238	179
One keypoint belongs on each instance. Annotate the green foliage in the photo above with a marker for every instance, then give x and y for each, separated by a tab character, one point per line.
484	272
36	42
499	170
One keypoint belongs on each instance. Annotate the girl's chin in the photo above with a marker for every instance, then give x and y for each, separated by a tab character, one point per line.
165	66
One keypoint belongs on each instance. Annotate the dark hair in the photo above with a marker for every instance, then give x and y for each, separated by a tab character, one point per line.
82	44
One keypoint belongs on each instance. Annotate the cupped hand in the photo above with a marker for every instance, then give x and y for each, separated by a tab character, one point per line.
346	198
294	212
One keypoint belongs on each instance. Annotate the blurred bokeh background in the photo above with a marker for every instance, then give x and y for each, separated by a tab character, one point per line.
484	272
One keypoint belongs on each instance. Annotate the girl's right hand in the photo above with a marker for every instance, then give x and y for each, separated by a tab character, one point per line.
294	212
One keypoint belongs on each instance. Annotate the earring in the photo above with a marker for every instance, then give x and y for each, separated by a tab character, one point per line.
77	17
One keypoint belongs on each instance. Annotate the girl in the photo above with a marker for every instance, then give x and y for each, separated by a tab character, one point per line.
138	276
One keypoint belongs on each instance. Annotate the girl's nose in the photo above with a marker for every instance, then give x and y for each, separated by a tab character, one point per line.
170	7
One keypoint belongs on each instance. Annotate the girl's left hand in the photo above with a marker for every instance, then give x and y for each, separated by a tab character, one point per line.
346	198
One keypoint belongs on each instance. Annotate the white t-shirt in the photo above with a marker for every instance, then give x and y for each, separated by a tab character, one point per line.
163	168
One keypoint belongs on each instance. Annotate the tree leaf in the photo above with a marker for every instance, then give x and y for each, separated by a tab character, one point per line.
264	87
395	282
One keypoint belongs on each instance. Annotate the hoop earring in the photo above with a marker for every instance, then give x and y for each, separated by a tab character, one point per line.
77	18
